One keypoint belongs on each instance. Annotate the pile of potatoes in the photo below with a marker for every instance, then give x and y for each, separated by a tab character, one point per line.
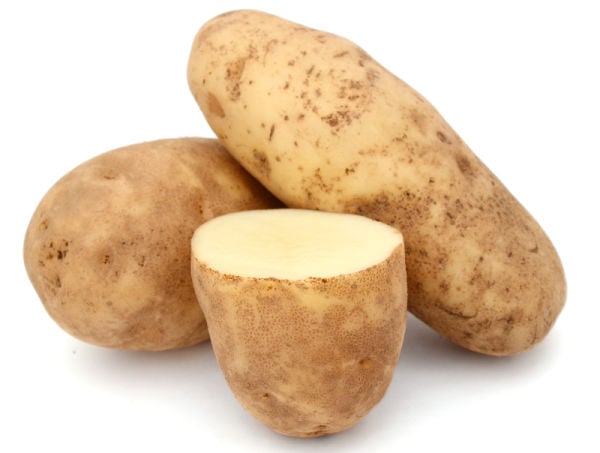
306	120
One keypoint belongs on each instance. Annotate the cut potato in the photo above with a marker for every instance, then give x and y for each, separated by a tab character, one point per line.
107	248
306	311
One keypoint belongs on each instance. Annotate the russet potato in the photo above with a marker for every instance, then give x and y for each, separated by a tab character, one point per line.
107	248
306	312
323	126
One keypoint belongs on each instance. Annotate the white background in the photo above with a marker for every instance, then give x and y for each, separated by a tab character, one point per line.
517	80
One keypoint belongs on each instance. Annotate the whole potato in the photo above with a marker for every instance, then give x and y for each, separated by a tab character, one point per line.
323	126
107	249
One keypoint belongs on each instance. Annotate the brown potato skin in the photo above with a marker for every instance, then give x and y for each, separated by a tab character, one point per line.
307	357
107	249
344	134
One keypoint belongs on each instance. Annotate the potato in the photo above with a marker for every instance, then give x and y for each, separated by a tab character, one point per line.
107	249
323	126
306	312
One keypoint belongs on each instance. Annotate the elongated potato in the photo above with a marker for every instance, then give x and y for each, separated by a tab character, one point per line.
324	126
107	249
306	312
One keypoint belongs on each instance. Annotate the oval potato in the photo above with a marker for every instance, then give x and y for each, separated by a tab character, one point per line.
323	126
107	249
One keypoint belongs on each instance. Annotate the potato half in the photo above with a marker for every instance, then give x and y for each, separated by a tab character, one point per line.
306	311
107	249
324	126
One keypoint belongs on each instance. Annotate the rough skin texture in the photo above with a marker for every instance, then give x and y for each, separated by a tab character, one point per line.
107	249
324	126
308	357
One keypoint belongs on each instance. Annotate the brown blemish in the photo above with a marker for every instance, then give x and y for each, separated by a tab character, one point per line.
366	363
261	162
321	38
233	74
214	106
271	132
455	312
464	165
418	119
442	137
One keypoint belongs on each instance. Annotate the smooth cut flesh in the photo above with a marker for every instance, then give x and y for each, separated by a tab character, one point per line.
292	244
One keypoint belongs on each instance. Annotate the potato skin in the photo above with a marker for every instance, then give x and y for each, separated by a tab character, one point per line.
341	133
107	249
307	357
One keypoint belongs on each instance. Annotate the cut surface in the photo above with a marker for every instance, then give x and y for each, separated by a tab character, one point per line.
292	244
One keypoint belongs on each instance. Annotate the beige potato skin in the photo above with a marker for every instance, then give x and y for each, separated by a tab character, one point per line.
324	126
107	248
307	357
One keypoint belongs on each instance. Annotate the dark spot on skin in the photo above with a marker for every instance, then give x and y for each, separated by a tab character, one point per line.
271	132
233	74
214	106
366	362
262	163
455	313
265	396
464	165
285	118
57	282
331	120
442	137
106	259
341	54
534	249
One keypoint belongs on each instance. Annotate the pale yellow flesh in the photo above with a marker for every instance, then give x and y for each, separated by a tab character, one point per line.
293	244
